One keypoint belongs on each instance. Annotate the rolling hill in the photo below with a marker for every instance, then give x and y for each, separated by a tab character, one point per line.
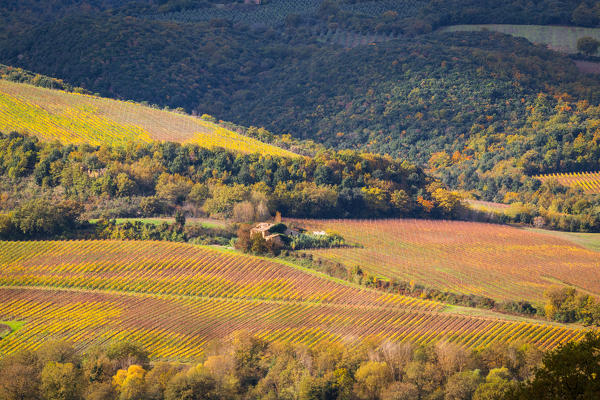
497	261
174	298
80	118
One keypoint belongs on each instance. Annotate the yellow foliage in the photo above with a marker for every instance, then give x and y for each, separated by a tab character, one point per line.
76	118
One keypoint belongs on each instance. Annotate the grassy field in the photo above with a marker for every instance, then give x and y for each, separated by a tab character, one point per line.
588	181
498	261
559	38
174	298
76	118
8	327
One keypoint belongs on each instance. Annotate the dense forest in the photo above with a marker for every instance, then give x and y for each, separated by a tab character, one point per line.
156	179
243	366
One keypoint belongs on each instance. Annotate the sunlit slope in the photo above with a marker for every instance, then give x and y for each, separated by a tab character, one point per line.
77	118
497	261
589	182
174	298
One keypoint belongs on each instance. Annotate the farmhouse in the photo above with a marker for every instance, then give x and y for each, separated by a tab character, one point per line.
267	229
276	233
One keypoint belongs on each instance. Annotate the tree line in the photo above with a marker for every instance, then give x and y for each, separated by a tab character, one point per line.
159	178
242	366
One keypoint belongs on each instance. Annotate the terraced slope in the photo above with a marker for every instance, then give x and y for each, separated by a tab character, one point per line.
496	261
173	298
588	181
76	118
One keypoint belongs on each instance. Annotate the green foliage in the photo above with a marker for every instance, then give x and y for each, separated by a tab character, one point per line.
194	384
61	382
497	386
41	218
137	230
565	304
316	241
258	244
242	366
588	45
23	76
570	372
159	178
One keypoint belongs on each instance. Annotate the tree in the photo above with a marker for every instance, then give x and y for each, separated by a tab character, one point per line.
401	201
124	354
462	385
247	352
561	304
7	228
243	212
58	351
97	367
451	358
151	206
371	377
158	379
588	45
173	188
585	16
258	244
130	383
179	220
61	381
224	198
449	202
243	241
497	386
199	194
193	384
101	391
19	377
570	372
41	217
425	376
125	186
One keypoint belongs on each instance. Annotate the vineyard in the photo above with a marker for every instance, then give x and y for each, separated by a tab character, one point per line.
559	38
275	12
588	181
77	118
174	298
496	261
270	14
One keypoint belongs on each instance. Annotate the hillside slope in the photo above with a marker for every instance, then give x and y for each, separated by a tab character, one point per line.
173	298
497	261
409	96
79	118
